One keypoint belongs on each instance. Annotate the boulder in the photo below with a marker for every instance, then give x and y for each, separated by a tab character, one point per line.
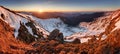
56	35
76	41
53	34
60	38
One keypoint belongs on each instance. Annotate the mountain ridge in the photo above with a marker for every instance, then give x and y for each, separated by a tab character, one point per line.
16	21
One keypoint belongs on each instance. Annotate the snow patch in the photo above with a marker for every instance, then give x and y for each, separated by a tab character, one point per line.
116	14
29	30
117	26
84	40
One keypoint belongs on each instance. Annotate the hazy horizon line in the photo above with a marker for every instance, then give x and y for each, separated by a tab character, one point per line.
64	11
60	10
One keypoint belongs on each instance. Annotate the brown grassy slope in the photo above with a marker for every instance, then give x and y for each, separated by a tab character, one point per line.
8	44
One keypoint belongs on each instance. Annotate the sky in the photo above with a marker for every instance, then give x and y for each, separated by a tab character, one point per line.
61	5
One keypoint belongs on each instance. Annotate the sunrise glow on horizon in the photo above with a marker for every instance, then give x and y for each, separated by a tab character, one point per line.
61	5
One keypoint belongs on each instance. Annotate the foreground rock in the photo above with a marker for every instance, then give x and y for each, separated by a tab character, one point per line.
76	41
56	35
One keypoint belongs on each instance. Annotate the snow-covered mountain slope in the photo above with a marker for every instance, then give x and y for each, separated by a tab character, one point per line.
15	20
114	23
105	28
96	27
112	31
51	24
84	29
56	23
93	28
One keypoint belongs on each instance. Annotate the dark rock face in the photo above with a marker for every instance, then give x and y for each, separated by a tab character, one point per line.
60	38
53	34
2	15
24	35
76	41
56	35
34	29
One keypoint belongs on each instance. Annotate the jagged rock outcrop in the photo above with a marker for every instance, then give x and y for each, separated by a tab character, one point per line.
35	30
53	34
56	35
24	35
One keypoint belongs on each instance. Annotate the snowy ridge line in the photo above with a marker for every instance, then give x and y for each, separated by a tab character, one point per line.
30	17
37	25
11	11
14	20
33	19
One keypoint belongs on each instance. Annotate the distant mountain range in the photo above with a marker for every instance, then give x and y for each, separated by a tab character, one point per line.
72	19
67	16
